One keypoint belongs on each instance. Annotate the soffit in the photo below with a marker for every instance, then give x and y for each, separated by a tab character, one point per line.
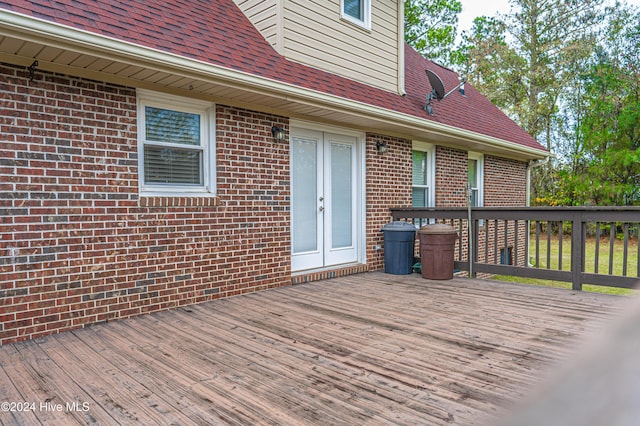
189	77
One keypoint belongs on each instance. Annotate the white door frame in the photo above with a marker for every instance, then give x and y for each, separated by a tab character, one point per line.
322	258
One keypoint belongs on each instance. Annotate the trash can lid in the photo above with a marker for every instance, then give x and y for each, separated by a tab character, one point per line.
399	225
437	228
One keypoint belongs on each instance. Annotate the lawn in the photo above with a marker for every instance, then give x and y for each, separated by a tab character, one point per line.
603	262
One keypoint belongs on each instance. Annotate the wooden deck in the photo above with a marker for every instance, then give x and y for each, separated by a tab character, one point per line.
366	349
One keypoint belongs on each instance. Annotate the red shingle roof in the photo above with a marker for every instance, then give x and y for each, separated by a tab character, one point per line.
217	32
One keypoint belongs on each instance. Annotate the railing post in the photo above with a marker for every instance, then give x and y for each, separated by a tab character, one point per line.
577	244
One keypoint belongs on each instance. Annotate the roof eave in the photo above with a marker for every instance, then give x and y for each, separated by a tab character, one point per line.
81	41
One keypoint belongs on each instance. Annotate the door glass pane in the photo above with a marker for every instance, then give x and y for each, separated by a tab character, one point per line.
341	196
304	203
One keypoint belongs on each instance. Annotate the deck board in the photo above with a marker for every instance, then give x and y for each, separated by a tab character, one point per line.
371	348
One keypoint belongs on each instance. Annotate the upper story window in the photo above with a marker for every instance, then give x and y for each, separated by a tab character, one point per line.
357	11
476	178
176	145
423	167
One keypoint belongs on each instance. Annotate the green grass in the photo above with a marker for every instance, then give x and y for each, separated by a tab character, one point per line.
603	263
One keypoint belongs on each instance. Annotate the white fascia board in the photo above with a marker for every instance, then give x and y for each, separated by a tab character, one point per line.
81	41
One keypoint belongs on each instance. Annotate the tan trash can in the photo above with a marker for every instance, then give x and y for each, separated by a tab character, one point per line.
437	246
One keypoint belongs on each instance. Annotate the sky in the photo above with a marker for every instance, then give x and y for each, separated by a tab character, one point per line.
473	8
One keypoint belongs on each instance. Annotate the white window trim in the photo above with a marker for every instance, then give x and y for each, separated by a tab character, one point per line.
366	22
431	169
480	158
177	103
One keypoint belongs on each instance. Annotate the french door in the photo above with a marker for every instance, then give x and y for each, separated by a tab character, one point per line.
324	199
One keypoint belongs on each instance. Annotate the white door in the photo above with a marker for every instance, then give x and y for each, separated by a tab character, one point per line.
324	199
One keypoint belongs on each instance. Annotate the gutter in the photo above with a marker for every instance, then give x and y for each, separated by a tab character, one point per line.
65	37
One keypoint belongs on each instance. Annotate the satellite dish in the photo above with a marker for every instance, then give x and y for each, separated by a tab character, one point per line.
436	84
437	90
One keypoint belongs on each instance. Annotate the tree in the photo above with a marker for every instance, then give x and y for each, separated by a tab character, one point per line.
568	72
529	53
493	66
611	127
525	62
431	28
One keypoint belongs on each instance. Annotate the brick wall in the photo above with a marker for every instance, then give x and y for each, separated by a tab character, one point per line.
504	185
78	244
451	177
500	174
388	185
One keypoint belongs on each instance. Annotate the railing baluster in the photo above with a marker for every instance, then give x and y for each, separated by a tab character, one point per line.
597	256
506	242
460	240
515	243
538	231
548	245
476	245
612	237
527	238
578	232
583	248
486	242
625	230
560	226
638	247
495	242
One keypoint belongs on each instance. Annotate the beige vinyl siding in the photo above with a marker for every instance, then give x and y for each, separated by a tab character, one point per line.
314	34
266	16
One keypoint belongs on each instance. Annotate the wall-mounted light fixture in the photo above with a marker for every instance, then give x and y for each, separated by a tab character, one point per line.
381	147
278	133
32	70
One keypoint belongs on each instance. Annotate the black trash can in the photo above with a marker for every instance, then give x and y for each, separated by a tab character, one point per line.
399	243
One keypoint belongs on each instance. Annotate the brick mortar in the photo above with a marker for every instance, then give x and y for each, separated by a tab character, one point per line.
80	246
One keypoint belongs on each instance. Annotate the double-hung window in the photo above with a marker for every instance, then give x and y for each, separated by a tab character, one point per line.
176	145
422	188
357	11
476	177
